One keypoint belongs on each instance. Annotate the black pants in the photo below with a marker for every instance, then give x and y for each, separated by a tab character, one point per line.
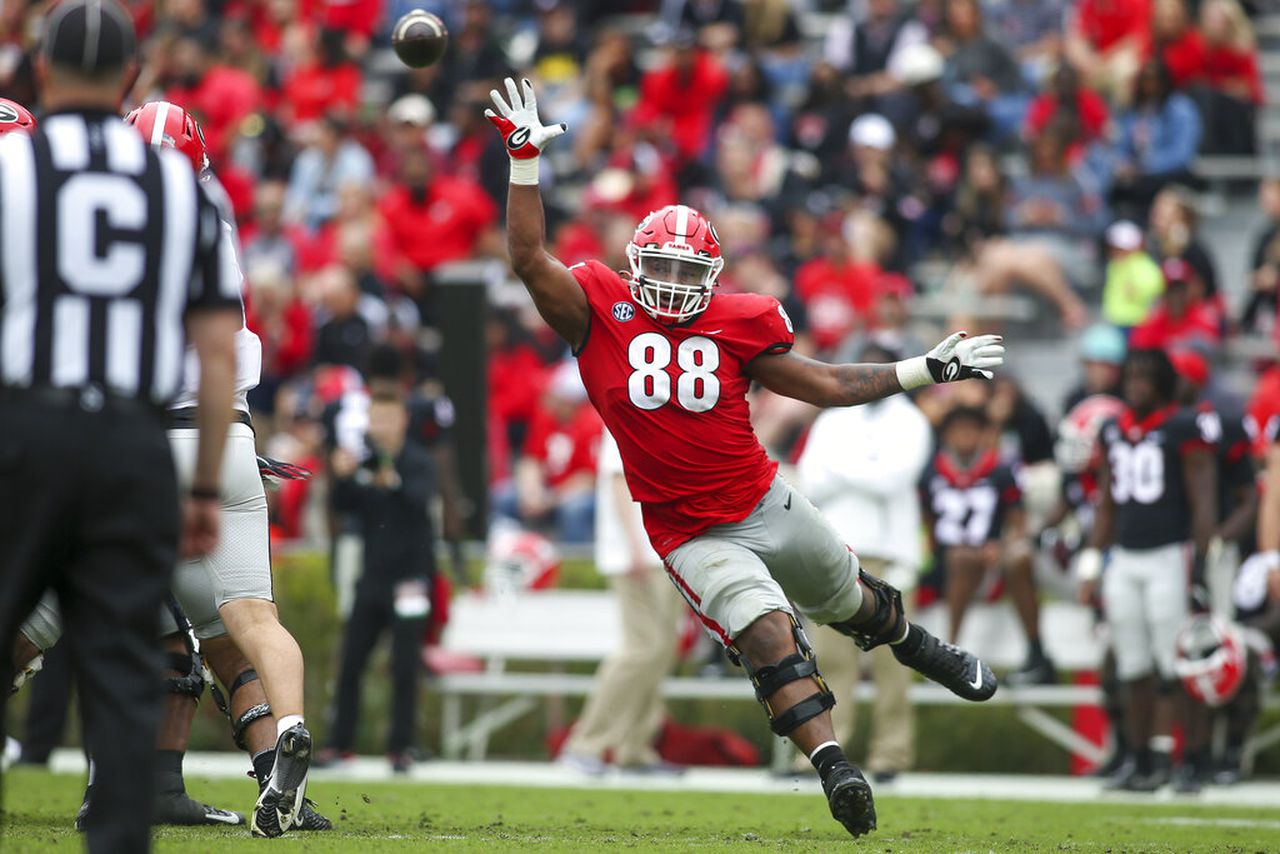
89	507
371	615
48	705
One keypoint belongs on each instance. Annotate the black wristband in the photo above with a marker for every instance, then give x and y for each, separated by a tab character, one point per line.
205	492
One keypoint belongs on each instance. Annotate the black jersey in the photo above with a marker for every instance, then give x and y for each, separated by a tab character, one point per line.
968	505
1145	457
1235	466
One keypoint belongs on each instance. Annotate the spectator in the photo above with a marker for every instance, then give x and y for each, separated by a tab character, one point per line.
389	493
1173	233
837	288
346	335
1157	138
866	495
1133	281
1031	29
1019	429
1076	112
974	514
284	325
456	214
1183	318
267	240
474	54
868	46
1102	350
980	69
1178	42
882	186
220	96
1233	78
330	160
323	82
555	478
679	97
1260	310
1107	41
624	713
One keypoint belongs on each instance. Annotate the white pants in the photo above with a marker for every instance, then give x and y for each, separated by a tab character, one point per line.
784	552
1144	593
240	566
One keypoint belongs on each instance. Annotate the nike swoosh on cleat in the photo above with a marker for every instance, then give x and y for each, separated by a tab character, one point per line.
787	506
976	684
225	818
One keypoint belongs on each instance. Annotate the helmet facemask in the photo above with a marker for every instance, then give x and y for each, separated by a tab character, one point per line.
672	285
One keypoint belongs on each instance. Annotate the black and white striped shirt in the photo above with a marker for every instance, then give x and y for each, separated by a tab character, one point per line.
105	244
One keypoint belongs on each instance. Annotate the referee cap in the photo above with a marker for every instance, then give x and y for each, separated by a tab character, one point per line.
89	36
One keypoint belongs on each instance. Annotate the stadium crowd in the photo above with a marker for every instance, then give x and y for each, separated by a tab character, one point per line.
964	147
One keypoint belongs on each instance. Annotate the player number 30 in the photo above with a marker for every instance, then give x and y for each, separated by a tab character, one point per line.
697	387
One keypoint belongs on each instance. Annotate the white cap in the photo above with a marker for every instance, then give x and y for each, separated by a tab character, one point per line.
1124	235
916	64
872	130
566	382
412	109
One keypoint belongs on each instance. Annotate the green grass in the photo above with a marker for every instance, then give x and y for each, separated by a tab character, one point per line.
378	817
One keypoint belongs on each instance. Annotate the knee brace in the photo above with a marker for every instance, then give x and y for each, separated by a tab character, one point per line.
887	624
768	678
190	679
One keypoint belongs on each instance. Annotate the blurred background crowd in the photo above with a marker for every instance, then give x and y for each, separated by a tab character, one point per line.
1081	175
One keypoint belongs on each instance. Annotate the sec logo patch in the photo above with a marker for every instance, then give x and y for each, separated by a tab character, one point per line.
623	311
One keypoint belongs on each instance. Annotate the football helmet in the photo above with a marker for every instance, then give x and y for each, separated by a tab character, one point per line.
14	116
519	561
1077	448
162	123
1210	659
675	261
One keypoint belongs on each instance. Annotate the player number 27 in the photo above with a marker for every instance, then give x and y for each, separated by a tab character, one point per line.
649	386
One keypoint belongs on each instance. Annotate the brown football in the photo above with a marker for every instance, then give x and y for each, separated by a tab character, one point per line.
419	38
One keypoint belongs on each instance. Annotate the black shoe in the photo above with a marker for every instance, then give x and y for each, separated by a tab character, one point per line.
950	666
1108	769
1230	768
1187	779
310	819
83	812
401	762
280	800
849	797
1132	778
179	808
1037	670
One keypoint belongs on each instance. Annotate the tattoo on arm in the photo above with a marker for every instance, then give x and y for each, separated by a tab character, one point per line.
863	383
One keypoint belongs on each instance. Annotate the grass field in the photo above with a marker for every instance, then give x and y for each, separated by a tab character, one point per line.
383	817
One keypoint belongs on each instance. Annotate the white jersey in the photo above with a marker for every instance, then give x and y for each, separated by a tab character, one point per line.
248	347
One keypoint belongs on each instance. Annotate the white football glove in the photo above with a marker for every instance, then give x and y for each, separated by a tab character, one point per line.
522	131
958	357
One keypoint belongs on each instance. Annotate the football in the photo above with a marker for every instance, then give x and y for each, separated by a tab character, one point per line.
419	38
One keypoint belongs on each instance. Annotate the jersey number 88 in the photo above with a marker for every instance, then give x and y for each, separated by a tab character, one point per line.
649	386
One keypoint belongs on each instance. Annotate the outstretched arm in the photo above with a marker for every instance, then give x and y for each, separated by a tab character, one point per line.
558	296
957	358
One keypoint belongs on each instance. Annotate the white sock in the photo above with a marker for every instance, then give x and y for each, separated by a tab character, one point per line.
285	722
821	747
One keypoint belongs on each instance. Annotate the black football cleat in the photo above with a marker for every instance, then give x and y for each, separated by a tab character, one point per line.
310	819
950	666
849	796
178	808
1036	670
1134	776
281	798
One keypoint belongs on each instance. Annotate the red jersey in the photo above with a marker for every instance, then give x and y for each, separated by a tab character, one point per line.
1263	418
565	449
675	399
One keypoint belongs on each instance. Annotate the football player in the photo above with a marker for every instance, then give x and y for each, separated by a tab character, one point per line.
974	514
227	594
667	363
1158	482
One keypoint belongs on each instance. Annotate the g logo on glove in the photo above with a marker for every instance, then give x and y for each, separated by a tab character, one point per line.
518	138
951	371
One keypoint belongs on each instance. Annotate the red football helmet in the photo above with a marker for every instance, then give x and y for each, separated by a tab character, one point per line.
14	116
1077	447
1210	659
1263	417
520	561
675	261
162	123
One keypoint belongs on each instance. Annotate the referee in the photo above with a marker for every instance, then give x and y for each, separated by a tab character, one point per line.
107	249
